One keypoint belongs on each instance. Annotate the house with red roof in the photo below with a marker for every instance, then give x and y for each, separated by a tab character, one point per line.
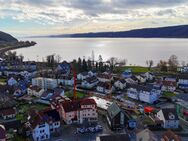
42	124
8	113
105	77
77	111
169	84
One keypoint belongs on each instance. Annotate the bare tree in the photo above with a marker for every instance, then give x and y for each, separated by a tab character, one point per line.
149	63
173	63
58	58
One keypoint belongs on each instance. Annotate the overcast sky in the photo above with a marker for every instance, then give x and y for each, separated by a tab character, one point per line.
43	17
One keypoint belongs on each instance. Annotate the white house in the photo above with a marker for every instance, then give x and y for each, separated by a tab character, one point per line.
141	78
183	69
169	84
120	84
8	113
12	81
35	91
143	93
89	82
43	123
45	83
183	81
79	111
169	117
82	76
104	87
105	77
149	76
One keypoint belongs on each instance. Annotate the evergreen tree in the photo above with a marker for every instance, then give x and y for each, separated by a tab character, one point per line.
79	64
84	66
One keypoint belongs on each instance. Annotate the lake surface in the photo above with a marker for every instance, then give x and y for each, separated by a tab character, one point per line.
135	50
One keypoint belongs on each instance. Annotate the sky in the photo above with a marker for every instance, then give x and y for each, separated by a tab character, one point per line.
45	17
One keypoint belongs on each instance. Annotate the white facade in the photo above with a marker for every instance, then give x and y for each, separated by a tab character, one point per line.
66	82
104	90
145	96
33	92
132	93
81	76
149	97
141	79
168	88
183	83
149	76
45	83
41	132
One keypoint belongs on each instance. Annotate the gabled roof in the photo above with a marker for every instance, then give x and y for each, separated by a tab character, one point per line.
92	79
48	115
114	137
104	75
141	88
171	136
170	114
113	110
105	85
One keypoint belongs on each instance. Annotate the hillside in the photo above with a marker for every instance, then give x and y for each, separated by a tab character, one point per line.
180	31
5	37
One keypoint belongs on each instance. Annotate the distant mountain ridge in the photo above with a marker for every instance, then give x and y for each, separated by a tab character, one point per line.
180	31
5	37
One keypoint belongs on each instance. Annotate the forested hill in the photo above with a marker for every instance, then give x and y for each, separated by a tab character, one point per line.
180	31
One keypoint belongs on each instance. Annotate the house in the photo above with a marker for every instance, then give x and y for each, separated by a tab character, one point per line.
43	123
143	93
104	87
149	76
130	81
50	95
92	73
169	117
35	91
182	106
115	117
146	135
45	83
89	82
170	136
120	84
105	77
82	76
183	69
66	80
169	84
12	81
8	113
114	137
183	81
78	111
142	79
2	133
127	73
64	68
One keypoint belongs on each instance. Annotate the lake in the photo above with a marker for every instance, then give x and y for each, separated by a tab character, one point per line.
135	50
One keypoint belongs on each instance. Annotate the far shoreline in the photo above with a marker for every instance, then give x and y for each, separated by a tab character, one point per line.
16	45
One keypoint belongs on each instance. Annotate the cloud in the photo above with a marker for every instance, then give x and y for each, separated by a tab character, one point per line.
87	13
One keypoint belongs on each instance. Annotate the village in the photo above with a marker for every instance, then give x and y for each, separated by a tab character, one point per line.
90	100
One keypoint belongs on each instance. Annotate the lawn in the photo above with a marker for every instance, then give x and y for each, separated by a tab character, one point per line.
135	69
24	109
79	94
168	94
2	81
